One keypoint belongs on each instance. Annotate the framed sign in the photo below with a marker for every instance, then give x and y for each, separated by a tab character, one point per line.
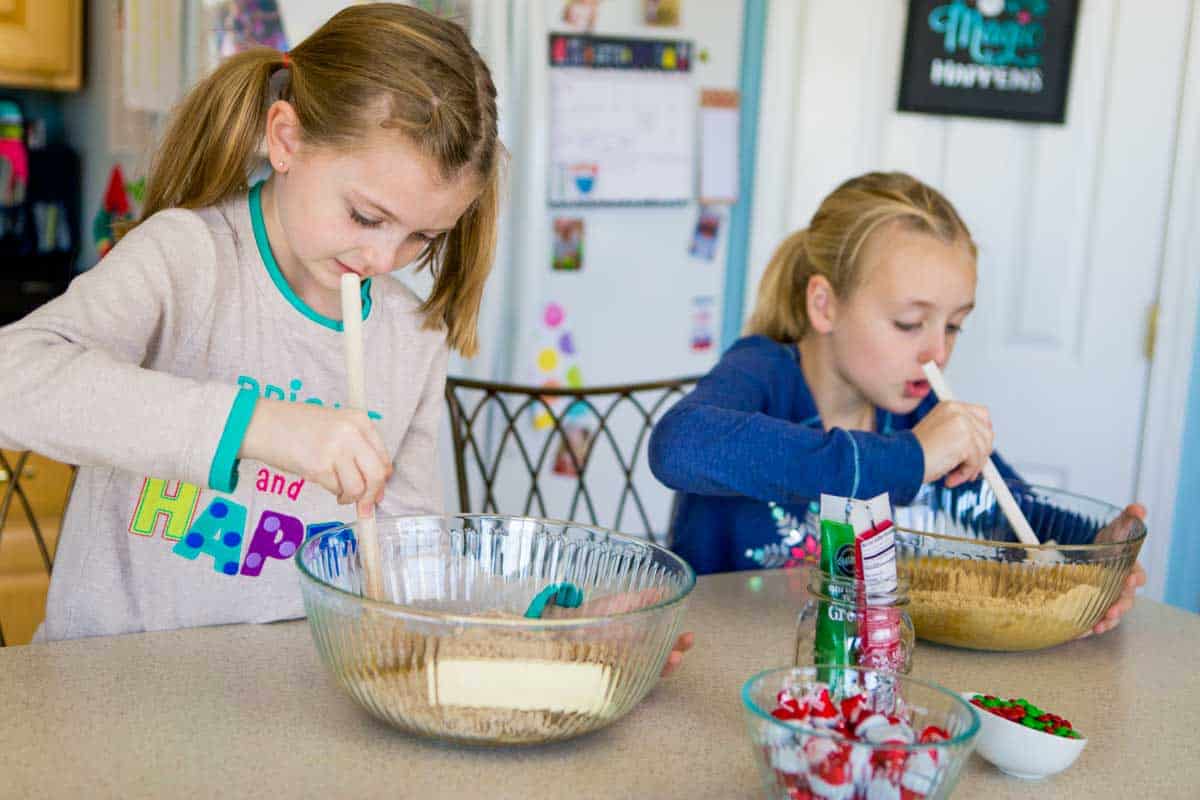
1007	59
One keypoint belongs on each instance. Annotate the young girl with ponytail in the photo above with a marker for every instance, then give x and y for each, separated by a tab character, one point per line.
197	375
826	393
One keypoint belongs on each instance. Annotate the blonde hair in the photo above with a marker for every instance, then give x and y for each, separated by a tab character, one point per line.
420	72
832	244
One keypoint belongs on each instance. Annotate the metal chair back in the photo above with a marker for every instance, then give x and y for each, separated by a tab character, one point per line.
577	454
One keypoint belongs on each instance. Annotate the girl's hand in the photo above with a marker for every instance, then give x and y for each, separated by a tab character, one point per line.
956	439
618	603
1118	531
338	448
682	645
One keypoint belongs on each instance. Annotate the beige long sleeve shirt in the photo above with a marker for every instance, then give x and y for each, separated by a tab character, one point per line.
145	373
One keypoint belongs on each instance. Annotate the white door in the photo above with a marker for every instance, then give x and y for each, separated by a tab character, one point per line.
1069	219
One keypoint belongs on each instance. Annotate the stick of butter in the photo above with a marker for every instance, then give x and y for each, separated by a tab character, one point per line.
522	685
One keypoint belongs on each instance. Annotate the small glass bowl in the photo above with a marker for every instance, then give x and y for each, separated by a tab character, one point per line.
795	760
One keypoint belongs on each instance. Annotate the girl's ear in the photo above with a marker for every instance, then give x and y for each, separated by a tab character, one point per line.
283	134
821	304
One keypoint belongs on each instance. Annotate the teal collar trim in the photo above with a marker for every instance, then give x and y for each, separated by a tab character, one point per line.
264	252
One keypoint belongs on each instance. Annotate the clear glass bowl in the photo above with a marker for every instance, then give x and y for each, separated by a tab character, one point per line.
793	759
449	653
972	585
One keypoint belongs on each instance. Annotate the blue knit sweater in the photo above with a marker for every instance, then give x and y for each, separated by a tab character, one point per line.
747	451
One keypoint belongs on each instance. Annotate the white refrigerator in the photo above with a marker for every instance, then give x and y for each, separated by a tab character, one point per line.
645	302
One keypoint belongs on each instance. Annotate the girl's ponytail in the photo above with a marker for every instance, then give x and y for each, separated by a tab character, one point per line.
214	135
779	309
463	268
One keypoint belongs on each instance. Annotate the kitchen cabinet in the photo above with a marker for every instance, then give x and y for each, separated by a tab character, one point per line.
24	578
41	44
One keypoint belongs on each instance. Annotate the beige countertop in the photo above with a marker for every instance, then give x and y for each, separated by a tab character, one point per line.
250	711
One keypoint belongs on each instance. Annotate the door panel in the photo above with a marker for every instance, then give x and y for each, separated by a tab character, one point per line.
1069	218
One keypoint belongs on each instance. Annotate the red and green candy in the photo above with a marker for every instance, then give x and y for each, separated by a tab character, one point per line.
1022	712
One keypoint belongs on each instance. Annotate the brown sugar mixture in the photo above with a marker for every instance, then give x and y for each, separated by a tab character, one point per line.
486	686
991	605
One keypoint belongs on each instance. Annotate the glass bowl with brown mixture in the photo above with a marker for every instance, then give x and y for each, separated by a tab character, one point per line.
973	585
449	650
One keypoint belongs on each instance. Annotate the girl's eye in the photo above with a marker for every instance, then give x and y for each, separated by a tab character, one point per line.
366	222
954	330
907	327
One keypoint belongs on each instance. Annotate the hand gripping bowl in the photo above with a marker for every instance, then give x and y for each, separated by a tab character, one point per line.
973	585
449	654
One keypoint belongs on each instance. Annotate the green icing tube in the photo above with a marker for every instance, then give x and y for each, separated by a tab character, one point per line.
831	644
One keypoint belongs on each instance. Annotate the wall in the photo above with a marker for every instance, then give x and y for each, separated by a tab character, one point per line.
1183	580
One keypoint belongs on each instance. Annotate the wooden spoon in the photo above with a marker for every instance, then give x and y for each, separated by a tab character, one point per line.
368	534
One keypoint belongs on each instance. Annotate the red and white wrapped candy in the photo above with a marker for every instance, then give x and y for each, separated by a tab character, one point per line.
822	767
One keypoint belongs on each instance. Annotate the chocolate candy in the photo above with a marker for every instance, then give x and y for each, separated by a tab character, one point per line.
1022	712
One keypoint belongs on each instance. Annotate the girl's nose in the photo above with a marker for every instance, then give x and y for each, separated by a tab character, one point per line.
936	349
383	256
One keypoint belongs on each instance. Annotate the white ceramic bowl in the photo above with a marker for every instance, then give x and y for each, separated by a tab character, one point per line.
1020	751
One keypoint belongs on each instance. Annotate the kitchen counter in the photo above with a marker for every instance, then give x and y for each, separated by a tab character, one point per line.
249	710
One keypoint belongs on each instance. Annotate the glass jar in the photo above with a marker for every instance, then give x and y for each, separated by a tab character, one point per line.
842	623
